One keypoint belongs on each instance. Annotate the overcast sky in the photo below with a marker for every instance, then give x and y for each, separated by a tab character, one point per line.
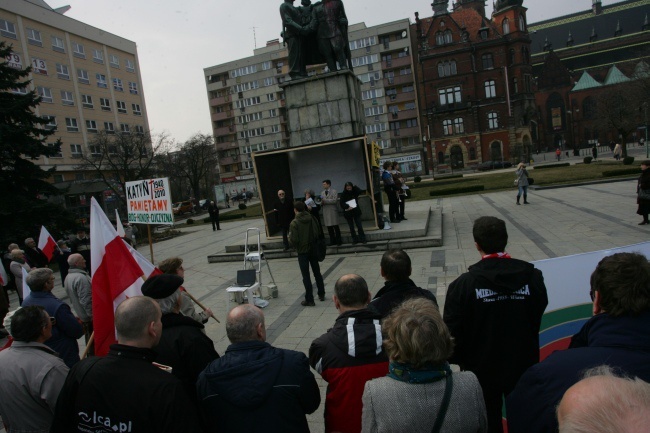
176	39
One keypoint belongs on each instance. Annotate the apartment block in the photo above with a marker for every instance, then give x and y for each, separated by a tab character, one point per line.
88	78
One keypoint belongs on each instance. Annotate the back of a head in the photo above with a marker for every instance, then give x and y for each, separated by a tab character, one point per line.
623	283
605	403
170	265
415	334
242	322
490	234
396	265
27	323
300	206
351	291
37	278
133	316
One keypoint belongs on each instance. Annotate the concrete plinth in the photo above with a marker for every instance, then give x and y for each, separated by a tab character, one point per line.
324	108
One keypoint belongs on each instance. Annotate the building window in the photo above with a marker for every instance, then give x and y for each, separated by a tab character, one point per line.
447	127
56	155
105	104
75	149
139	129
374	94
270	96
57	44
114	61
109	128
459	128
266	65
87	101
269	81
275	128
136	109
490	89
449	95
62	71
447	68
125	128
493	120
440	39
98	56
447	37
133	88
522	23
78	50
39	66
117	84
66	98
129	65
7	29
407	89
34	37
488	61
82	76
91	126
71	124
101	81
505	26
525	55
121	106
51	123
45	93
273	113
411	123
511	56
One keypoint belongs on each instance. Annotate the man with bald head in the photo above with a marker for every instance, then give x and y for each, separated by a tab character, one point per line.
255	386
79	289
283	209
125	391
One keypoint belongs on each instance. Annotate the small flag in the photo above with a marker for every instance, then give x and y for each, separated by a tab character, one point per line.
46	243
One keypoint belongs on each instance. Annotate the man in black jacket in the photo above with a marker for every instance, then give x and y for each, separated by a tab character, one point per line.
396	270
494	312
183	346
254	386
283	208
213	210
124	391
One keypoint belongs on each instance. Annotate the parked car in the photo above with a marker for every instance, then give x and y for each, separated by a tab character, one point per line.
182	207
492	165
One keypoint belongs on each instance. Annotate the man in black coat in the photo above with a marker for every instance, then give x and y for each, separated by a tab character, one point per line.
254	386
183	346
35	257
396	270
283	208
213	210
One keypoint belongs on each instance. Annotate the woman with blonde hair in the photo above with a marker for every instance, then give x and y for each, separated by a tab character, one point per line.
420	393
522	182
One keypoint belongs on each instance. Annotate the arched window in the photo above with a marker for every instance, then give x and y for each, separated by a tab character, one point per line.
456	157
448	38
505	25
495	151
440	39
522	23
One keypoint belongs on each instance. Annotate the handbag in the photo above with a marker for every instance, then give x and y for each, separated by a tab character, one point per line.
644	194
517	182
318	245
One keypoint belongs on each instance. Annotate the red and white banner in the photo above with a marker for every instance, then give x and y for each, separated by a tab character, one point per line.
46	243
116	276
118	225
26	289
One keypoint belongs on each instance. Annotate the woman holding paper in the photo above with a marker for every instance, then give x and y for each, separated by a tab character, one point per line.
349	201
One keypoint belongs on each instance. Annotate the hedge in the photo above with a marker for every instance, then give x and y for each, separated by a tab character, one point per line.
450	176
628	160
621	172
450	191
562	164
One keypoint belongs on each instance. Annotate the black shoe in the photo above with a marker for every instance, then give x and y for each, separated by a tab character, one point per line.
321	298
354	242
213	229
396	221
307	303
526	202
642	223
518	203
404	219
218	229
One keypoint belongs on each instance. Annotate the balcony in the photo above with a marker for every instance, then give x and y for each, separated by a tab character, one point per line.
227	160
402	115
400	97
396	63
397	80
221	116
404	132
214	102
227	145
225	130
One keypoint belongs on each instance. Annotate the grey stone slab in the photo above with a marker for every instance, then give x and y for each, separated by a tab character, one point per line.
344	110
306	137
337	88
309	117
341	131
315	92
294	119
325	110
295	95
321	135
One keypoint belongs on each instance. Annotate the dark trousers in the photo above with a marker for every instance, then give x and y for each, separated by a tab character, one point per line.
285	236
393	204
494	393
352	221
402	203
215	222
335	234
304	261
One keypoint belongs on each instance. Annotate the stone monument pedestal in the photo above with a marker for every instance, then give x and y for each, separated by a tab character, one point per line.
324	108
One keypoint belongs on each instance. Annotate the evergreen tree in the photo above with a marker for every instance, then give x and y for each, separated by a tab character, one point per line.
23	186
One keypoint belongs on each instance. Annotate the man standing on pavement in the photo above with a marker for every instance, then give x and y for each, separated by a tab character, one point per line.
348	355
254	386
283	208
79	289
125	389
213	210
494	312
396	270
330	204
81	245
303	232
617	335
67	328
34	255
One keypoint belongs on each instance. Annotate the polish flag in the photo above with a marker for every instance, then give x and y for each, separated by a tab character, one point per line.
46	243
26	289
148	269
118	226
116	276
4	278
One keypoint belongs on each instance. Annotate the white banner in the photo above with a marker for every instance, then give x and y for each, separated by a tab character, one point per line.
149	201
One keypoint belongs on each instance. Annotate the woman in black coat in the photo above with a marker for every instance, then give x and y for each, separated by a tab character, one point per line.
352	214
644	184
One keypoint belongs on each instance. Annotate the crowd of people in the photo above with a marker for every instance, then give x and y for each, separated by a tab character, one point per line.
393	362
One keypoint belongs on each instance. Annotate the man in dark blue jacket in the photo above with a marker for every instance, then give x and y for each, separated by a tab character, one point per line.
254	386
617	335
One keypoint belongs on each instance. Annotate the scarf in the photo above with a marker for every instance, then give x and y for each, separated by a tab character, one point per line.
503	255
428	374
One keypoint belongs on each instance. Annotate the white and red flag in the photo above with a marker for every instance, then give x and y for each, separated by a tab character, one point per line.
26	289
116	276
118	225
46	243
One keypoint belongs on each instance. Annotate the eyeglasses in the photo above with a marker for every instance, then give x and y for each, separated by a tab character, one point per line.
53	321
281	193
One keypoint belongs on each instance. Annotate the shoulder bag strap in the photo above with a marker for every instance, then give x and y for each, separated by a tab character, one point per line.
449	385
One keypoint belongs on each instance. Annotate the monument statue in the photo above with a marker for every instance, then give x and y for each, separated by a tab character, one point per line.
292	32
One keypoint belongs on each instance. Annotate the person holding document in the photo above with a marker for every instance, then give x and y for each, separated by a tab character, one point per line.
352	212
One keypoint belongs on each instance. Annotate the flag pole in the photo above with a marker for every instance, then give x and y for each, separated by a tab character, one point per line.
90	343
150	241
196	301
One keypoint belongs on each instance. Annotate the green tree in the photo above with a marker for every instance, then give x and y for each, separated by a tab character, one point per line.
24	190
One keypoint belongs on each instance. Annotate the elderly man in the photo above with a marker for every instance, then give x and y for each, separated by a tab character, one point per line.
283	208
125	391
79	289
183	346
255	386
396	269
67	328
34	255
349	354
617	335
81	245
31	375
